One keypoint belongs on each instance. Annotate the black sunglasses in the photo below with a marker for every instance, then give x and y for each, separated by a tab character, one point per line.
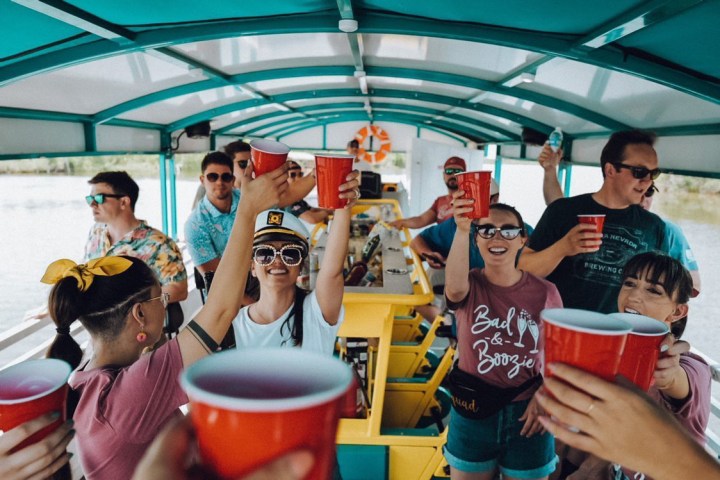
453	171
291	255
651	191
295	173
488	231
243	164
225	177
640	173
99	198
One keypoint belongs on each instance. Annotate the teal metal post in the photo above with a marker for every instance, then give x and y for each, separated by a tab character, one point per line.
568	179
498	169
324	137
163	193
173	199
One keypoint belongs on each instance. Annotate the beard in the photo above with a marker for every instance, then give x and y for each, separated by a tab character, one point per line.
452	184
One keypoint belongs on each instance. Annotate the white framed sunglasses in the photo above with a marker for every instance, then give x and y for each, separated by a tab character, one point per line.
290	255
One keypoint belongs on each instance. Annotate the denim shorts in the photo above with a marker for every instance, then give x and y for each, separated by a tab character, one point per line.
477	446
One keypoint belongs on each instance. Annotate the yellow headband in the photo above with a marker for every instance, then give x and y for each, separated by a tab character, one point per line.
85	273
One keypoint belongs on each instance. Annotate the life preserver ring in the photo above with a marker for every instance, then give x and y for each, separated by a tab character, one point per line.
380	155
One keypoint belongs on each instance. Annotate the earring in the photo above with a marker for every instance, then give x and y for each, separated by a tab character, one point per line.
141	337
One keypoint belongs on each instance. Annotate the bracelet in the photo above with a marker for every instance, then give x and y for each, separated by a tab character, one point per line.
202	336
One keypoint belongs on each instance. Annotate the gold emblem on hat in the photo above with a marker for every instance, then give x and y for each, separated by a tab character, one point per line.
275	218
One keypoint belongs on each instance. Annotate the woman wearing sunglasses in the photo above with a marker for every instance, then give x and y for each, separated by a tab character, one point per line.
126	396
494	420
286	315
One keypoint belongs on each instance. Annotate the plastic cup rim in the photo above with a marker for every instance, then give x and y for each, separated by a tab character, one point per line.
473	172
591	215
199	395
264	145
44	393
622	327
644	318
338	155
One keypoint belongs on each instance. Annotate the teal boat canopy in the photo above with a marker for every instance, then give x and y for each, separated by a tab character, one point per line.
87	77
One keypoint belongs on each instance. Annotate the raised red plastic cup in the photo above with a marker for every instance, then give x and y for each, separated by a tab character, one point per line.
331	172
591	341
31	389
598	221
267	155
642	348
251	406
476	186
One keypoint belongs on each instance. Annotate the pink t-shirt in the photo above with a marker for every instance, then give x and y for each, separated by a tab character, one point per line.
442	208
121	411
499	329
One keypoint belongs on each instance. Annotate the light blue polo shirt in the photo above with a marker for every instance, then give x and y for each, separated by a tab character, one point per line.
207	229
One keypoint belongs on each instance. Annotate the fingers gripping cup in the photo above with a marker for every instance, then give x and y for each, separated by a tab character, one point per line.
31	389
477	187
642	348
251	406
331	172
591	341
598	221
267	155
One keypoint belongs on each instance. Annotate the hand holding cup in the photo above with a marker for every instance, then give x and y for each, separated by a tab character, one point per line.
461	207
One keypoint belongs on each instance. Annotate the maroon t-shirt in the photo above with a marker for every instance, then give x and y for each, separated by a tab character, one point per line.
499	329
442	208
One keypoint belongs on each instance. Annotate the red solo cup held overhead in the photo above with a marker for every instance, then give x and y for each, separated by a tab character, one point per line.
642	348
477	187
598	221
267	155
331	171
591	341
31	389
251	406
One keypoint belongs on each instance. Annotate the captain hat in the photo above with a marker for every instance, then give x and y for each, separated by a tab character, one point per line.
277	224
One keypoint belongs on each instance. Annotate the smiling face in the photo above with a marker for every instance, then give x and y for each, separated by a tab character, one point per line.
277	274
640	295
498	250
624	186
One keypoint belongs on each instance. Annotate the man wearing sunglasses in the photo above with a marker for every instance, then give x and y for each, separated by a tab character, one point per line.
117	231
586	266
441	209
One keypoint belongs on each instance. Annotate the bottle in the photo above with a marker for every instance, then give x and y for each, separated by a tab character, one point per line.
356	274
555	139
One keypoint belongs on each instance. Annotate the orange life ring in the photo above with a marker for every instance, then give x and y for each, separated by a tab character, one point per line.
380	155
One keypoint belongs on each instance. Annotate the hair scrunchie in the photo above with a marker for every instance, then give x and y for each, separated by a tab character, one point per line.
63	330
84	273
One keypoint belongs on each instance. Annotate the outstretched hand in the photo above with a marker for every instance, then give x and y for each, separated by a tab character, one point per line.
460	207
39	460
548	159
263	192
169	453
351	188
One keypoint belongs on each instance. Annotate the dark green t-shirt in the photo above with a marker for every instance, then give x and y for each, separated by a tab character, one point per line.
592	280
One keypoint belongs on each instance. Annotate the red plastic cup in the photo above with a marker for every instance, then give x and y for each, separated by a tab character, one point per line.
596	220
476	186
267	155
591	341
252	406
642	348
331	172
31	389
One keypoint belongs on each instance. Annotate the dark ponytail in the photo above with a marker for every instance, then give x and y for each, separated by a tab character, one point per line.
65	298
296	329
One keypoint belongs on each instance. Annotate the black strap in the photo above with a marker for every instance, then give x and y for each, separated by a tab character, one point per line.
203	336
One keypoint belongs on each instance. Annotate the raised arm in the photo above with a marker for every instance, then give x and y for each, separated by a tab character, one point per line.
549	161
226	294
578	240
330	285
457	268
423	220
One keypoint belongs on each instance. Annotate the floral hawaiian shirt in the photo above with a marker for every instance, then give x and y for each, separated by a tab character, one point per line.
144	242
